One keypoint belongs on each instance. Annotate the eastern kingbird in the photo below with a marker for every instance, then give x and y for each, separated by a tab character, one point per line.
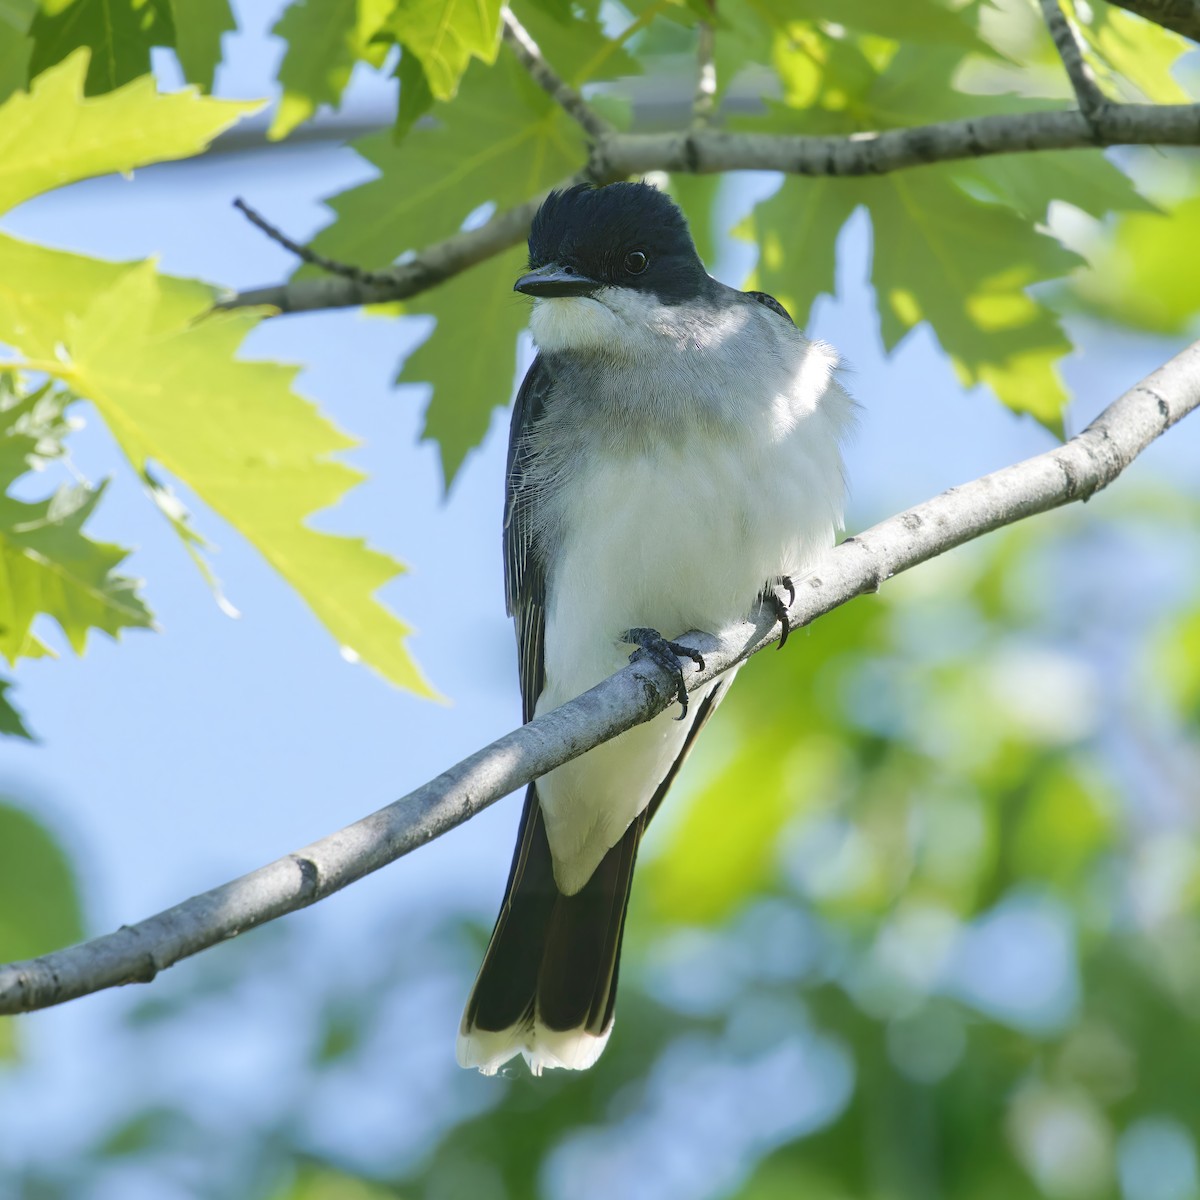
674	451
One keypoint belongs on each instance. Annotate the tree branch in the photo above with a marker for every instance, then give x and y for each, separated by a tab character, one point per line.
705	101
307	253
709	151
1181	16
861	564
1083	83
432	266
562	93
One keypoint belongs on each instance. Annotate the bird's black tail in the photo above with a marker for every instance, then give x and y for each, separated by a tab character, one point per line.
548	983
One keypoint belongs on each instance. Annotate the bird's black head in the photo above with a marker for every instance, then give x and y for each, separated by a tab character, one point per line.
626	235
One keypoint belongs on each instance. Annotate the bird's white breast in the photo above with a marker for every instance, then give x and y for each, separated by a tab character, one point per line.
679	528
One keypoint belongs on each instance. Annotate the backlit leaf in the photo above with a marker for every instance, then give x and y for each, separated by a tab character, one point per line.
1134	273
415	97
52	136
47	564
965	267
172	392
325	38
119	34
501	141
445	35
796	230
1135	55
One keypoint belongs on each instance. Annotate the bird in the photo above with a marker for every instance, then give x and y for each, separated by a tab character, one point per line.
674	454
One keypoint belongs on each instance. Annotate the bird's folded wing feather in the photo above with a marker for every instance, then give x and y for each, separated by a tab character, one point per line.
524	570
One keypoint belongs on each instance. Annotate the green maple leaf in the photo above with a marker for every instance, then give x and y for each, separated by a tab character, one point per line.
33	866
1134	274
445	35
119	34
15	49
162	369
470	380
1134	56
965	267
51	136
415	97
166	380
199	25
502	140
12	724
174	393
697	195
47	563
49	566
796	230
573	41
325	38
957	245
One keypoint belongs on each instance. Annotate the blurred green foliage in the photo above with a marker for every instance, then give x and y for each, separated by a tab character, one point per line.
920	921
40	908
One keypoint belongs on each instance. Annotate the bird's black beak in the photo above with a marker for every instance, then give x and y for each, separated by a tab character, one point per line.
553	280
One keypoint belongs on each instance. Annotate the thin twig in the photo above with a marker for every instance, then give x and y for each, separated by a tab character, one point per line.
435	264
860	565
1088	95
705	102
309	255
707	151
562	93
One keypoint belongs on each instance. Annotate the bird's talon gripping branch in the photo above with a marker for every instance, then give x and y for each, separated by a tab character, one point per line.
773	598
654	646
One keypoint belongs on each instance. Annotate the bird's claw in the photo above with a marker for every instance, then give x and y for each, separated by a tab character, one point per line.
773	598
654	646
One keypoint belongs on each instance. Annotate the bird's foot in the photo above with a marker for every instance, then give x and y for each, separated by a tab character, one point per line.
654	646
771	596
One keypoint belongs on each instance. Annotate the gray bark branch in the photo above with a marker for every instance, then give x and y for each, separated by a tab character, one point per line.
859	565
709	151
529	55
1088	95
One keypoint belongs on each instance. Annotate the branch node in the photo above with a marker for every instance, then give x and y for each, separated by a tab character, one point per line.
310	877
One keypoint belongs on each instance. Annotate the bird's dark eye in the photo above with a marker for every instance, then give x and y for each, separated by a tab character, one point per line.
636	262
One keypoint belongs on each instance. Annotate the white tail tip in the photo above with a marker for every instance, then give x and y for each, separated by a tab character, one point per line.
542	1048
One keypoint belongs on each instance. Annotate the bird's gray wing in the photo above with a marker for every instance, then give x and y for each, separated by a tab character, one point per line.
768	301
524	571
